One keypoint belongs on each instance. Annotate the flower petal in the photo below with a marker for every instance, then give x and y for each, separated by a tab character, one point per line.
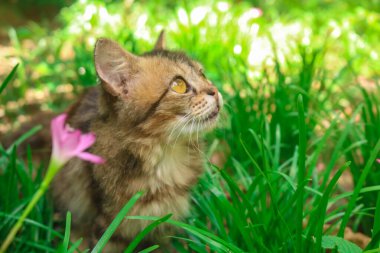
91	158
70	143
86	141
378	160
57	127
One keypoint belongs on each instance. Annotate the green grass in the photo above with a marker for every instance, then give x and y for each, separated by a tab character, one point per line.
302	112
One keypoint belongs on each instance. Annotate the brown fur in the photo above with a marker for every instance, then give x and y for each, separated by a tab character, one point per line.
142	133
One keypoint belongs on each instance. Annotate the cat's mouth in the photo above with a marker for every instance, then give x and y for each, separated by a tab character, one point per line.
213	115
203	123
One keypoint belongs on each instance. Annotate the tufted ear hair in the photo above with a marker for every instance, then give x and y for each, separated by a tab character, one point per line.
114	66
161	41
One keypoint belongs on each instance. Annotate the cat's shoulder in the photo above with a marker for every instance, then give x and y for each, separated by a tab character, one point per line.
81	113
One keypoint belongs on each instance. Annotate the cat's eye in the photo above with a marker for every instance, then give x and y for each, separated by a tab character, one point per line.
180	86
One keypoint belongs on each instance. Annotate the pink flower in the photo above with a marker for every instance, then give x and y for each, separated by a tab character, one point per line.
68	143
378	160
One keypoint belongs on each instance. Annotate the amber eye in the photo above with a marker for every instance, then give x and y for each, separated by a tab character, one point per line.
180	86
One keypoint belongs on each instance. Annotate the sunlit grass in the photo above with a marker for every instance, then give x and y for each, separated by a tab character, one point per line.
301	88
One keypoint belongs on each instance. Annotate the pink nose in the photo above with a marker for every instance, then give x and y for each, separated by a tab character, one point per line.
213	91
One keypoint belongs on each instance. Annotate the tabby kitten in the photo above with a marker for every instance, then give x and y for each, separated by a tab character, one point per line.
146	115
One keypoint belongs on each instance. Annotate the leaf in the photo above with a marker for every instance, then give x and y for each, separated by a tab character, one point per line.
204	235
301	173
359	185
8	78
66	239
150	249
63	247
342	245
144	232
115	223
75	246
317	220
25	136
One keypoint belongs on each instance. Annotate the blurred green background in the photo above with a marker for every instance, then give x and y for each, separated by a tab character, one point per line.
261	54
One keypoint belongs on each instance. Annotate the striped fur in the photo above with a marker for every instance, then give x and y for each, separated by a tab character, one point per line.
148	135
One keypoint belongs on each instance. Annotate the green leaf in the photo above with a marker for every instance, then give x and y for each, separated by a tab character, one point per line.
75	246
317	219
150	249
63	247
115	223
376	223
66	239
374	243
343	246
24	137
358	187
9	78
301	172
200	233
143	233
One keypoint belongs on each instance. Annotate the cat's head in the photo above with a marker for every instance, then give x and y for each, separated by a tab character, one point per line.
163	92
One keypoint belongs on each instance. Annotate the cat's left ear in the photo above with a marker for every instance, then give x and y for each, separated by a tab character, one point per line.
115	67
161	41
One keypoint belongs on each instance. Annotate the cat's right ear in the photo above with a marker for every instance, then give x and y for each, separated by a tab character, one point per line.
161	41
115	66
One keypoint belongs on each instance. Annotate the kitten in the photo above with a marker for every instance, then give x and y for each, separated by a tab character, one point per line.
146	115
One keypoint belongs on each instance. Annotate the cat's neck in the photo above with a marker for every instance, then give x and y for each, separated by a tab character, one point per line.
148	163
116	139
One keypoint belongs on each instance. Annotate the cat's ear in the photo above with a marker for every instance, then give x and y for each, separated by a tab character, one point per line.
115	66
161	41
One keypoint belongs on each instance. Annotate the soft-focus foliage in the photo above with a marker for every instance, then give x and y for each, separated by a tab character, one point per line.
261	55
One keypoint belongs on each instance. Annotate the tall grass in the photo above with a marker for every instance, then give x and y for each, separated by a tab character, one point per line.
295	123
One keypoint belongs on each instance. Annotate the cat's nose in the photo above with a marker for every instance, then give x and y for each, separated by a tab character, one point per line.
211	91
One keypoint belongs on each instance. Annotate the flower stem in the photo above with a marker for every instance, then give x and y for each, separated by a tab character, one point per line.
52	170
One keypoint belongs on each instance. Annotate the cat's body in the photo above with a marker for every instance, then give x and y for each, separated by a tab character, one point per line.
147	138
98	194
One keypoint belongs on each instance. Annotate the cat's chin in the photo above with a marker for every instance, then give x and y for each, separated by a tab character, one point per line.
209	123
196	127
212	116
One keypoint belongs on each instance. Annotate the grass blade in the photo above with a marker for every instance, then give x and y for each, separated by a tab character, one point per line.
9	78
75	246
66	239
376	225
24	137
374	243
143	233
32	223
339	146
368	189
318	219
200	233
150	249
301	172
358	187
115	223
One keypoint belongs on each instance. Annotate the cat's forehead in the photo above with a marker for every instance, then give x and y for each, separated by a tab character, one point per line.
176	57
160	67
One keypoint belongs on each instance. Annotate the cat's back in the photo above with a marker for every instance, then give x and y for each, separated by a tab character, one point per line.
72	186
84	111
